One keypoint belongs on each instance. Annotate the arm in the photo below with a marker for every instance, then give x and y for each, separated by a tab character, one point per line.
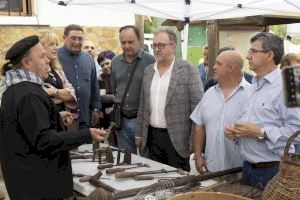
196	92
41	136
138	134
199	142
68	92
95	102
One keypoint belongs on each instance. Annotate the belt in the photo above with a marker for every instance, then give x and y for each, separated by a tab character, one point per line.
158	129
129	116
264	164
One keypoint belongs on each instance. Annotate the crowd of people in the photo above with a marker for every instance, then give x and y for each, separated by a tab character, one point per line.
54	99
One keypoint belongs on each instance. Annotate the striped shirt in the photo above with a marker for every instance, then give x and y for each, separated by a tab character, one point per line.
265	106
215	112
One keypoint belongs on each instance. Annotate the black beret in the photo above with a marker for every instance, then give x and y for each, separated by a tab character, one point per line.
19	49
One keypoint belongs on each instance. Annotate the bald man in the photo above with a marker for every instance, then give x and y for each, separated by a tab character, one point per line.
221	105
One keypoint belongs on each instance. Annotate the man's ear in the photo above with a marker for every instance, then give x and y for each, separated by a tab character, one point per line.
271	55
25	63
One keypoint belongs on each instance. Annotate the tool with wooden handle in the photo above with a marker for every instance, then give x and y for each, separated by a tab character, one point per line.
122	169
133	174
110	165
87	177
145	178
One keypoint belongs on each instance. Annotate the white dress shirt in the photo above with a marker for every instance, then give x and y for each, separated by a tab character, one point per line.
158	95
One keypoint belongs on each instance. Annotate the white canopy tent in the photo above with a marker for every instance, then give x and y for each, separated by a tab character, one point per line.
193	10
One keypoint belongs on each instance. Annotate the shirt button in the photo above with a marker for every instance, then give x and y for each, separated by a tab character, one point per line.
77	77
75	66
78	87
127	95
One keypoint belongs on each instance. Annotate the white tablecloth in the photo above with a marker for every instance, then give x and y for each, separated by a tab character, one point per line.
88	167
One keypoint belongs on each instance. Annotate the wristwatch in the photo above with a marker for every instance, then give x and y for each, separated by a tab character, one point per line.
96	110
262	135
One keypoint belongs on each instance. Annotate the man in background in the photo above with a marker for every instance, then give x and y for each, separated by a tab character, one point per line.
80	70
122	67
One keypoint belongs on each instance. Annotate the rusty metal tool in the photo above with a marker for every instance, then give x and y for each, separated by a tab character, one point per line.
122	169
133	174
110	165
145	177
119	194
87	177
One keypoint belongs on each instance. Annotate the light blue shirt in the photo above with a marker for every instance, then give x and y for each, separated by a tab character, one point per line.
265	107
215	112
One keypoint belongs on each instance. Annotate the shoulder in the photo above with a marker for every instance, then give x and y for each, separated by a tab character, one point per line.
148	56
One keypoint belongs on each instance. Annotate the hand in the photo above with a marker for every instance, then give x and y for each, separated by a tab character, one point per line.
200	164
95	117
246	129
97	134
51	91
229	132
67	117
138	143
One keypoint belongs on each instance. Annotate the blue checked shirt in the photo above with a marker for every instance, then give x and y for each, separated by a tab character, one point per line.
265	106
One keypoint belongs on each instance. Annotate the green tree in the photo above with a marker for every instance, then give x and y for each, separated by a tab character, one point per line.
150	25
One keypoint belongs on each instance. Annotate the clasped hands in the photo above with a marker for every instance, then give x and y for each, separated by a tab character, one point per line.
242	129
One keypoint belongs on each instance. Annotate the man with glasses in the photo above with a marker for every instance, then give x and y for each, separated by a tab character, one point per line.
266	122
122	67
80	70
171	90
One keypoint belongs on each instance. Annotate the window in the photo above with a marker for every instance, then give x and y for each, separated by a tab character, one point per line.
15	7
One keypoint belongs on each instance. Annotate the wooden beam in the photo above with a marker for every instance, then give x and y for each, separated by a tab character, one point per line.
139	23
213	43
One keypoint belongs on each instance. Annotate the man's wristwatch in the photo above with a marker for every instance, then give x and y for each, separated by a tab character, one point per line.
262	135
96	110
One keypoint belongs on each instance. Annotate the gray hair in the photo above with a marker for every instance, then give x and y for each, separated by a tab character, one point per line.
270	42
171	34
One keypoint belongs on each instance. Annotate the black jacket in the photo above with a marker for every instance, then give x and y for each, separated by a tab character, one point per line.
34	146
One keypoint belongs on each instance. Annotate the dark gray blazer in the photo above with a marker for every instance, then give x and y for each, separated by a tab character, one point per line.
184	93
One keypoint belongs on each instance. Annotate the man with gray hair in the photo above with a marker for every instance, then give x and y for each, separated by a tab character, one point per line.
170	92
266	122
220	105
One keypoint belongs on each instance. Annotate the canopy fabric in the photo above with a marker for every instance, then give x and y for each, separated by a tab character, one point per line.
193	10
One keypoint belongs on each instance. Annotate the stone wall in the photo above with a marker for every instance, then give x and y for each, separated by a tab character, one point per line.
104	38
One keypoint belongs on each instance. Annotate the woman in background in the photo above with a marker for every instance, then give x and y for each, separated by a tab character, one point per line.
57	84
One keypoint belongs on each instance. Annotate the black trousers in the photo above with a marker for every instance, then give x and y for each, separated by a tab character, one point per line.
161	149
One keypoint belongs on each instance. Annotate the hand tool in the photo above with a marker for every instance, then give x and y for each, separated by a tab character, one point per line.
133	174
122	169
110	165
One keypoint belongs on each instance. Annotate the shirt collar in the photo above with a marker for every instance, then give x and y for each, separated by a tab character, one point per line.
170	68
139	55
270	77
70	53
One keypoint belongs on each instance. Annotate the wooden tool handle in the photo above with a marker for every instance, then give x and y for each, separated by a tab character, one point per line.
104	166
85	178
141	178
126	174
114	170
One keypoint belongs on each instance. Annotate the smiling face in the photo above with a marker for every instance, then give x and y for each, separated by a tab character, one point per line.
163	48
73	41
105	64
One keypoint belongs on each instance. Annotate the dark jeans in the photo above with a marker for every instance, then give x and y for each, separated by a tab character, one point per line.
126	135
258	177
161	150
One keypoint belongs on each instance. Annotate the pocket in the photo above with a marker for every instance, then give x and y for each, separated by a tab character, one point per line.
86	76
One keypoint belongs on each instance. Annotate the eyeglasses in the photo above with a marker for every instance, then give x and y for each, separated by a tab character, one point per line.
254	51
160	45
74	38
89	47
